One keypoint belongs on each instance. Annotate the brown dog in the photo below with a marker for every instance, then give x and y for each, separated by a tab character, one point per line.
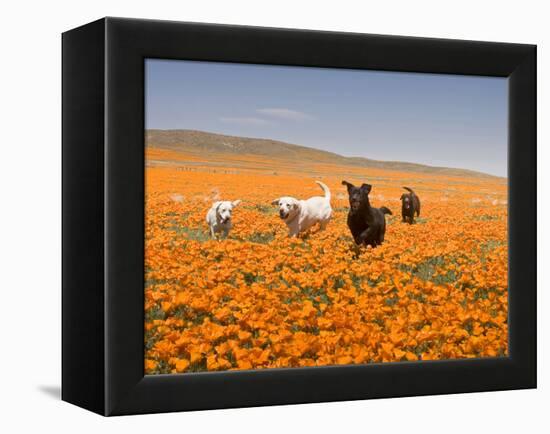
410	205
366	224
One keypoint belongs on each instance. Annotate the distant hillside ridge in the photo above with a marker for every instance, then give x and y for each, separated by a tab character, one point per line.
204	142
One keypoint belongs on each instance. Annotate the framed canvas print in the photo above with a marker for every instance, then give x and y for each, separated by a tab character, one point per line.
257	216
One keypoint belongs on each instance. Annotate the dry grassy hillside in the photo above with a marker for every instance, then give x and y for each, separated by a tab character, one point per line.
202	143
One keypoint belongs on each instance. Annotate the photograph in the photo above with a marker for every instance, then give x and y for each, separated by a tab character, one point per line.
301	216
280	217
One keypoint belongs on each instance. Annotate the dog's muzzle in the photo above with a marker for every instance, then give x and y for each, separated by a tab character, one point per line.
283	215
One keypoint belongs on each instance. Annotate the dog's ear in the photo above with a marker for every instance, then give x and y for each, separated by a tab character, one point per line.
295	205
275	202
402	196
366	187
236	202
347	184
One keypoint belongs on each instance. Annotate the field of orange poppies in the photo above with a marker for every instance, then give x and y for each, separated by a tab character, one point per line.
433	290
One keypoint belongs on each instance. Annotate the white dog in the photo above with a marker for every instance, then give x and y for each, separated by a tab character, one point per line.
218	217
300	215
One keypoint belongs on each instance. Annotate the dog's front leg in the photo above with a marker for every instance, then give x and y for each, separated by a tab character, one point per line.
293	229
366	234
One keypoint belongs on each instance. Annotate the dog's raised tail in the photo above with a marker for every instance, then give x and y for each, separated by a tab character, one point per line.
325	189
385	210
410	190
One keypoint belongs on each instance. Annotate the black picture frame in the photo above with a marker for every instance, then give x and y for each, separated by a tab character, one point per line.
103	216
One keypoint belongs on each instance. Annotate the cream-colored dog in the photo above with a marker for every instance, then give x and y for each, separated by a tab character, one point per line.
300	215
218	217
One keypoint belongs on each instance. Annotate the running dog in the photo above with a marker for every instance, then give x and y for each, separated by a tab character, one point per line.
218	217
300	215
367	224
410	205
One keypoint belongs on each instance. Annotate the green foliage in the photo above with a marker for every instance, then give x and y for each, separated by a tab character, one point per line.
153	313
195	234
261	237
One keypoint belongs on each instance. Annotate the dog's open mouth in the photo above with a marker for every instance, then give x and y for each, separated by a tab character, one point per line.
283	215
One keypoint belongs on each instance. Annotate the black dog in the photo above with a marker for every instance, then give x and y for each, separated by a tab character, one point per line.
367	224
410	205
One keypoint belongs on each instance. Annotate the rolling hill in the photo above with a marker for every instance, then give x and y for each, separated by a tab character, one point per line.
204	142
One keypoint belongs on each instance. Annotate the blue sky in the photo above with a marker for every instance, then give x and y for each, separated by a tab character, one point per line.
443	120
